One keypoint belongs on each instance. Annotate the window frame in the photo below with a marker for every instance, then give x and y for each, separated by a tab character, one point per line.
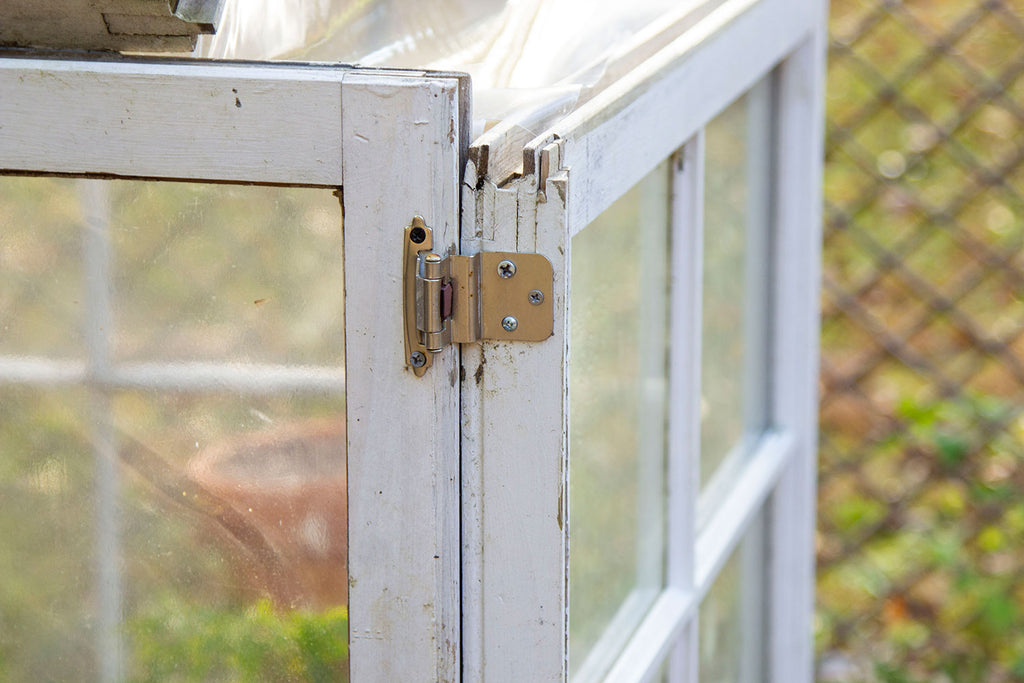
302	125
515	412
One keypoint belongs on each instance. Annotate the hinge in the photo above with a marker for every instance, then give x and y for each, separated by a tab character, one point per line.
463	299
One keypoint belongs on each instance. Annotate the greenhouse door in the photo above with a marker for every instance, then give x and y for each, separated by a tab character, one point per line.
639	491
202	375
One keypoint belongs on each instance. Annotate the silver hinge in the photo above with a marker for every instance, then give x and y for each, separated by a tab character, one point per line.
462	299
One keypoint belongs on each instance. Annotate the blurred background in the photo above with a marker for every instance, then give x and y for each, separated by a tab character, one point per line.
921	512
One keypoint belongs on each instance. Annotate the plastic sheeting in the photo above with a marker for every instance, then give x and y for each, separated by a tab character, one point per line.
524	56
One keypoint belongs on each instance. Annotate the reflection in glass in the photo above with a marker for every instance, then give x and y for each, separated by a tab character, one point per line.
735	298
233	535
731	616
617	390
172	473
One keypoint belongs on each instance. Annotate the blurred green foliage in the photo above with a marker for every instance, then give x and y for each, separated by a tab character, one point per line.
173	642
930	581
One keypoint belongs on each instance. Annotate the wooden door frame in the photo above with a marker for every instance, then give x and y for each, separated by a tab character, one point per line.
391	142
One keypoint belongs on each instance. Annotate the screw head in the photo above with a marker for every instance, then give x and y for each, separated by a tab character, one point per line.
509	323
536	297
417	359
506	269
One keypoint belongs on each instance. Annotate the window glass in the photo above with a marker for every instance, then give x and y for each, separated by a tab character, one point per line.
41	280
617	391
736	266
48	630
730	640
172	444
224	272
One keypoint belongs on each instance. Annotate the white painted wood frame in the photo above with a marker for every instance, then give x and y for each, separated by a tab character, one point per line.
392	141
515	415
514	438
794	398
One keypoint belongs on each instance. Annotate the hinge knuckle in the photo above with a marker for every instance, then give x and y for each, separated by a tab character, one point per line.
429	319
463	299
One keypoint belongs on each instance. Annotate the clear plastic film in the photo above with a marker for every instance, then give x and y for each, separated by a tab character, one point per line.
529	59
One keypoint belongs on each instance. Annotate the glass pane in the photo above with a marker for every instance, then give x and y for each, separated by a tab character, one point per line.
617	390
735	298
262	268
730	640
41	281
48	628
172	475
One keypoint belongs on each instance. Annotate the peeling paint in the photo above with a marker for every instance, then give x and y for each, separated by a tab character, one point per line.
478	376
561	505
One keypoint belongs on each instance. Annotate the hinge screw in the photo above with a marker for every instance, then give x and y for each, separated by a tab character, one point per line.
506	269
417	359
509	323
536	297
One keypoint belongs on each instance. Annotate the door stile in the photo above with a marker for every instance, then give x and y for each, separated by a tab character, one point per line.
402	139
403	135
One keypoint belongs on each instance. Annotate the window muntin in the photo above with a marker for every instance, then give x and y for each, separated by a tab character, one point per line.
617	423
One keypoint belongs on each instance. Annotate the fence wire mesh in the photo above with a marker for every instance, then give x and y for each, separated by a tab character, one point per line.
921	503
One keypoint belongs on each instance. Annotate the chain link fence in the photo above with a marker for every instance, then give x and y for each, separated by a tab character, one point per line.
921	502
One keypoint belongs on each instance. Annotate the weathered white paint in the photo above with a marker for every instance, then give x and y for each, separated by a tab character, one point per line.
514	464
403	134
605	147
196	121
402	158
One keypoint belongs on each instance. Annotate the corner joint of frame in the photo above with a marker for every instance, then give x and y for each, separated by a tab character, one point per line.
548	165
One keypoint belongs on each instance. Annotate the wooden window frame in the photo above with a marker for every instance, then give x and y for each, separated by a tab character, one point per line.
515	411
